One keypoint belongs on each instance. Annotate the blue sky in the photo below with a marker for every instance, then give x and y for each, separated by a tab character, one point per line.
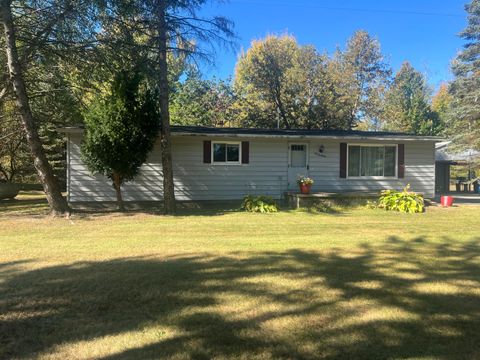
422	31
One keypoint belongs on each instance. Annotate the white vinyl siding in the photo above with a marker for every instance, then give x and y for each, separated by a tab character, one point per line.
266	173
419	169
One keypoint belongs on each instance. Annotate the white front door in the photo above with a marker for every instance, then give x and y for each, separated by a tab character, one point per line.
297	163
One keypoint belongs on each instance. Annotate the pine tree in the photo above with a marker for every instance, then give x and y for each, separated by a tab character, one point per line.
162	28
121	131
464	118
16	76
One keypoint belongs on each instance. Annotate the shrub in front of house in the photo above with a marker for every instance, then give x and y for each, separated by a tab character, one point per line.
261	204
405	201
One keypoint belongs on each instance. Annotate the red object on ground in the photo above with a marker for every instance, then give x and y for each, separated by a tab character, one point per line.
305	188
446	200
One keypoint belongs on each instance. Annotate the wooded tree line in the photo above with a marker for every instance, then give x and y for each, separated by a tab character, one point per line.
62	57
280	83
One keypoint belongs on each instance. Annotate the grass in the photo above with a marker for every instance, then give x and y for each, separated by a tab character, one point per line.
31	203
357	283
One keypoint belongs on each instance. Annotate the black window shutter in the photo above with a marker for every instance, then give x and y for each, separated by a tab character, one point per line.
401	161
207	152
343	160
245	152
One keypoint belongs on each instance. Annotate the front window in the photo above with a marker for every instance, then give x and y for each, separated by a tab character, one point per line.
375	161
226	152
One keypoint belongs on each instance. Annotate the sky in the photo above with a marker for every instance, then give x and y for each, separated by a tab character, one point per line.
424	32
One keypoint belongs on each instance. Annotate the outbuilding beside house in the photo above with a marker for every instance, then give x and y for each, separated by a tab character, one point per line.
447	156
229	163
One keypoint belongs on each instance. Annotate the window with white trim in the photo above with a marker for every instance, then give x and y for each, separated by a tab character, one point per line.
226	152
372	160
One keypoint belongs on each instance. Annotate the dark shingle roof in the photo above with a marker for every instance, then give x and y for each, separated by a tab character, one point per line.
293	133
199	130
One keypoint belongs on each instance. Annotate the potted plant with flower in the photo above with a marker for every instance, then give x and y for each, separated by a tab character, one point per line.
305	183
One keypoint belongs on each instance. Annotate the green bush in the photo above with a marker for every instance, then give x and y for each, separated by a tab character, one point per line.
261	204
404	201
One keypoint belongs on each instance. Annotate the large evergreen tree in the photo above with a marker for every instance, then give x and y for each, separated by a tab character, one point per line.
40	38
33	35
160	28
88	41
464	119
120	131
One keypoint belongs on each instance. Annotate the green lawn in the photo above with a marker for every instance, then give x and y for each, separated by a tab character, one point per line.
356	284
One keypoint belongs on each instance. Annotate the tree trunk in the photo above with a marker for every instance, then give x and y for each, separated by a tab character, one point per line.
117	184
57	202
353	114
283	114
281	109
165	138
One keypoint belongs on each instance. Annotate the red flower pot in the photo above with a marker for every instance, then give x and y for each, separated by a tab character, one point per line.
305	188
446	201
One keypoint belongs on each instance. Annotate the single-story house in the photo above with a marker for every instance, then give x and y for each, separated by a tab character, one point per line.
229	163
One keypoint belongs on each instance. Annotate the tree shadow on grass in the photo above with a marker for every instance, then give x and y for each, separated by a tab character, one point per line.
397	299
38	207
24	207
91	211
